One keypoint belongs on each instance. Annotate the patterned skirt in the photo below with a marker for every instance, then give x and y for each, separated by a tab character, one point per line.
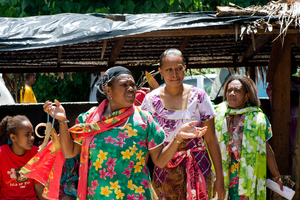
234	181
170	184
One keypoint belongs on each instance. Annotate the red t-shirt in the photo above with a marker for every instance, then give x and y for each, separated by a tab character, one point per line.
12	186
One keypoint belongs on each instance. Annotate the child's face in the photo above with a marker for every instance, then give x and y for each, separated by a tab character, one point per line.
24	138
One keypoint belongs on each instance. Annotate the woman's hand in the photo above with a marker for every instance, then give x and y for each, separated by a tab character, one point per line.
219	188
188	130
58	109
278	180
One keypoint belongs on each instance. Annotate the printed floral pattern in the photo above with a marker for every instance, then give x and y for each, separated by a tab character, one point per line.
117	165
199	108
257	130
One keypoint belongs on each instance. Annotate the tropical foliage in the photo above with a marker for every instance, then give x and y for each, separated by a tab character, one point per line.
23	8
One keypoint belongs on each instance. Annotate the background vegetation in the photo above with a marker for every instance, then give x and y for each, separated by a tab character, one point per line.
50	87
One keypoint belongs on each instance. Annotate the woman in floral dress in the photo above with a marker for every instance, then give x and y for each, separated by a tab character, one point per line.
243	132
113	140
189	174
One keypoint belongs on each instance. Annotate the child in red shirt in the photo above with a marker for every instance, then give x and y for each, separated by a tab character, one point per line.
14	156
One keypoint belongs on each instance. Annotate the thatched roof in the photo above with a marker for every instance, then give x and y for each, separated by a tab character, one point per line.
86	42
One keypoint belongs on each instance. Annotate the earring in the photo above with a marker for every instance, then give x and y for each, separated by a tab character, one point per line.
110	98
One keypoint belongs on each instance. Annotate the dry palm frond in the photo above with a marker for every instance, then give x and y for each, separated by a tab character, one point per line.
283	14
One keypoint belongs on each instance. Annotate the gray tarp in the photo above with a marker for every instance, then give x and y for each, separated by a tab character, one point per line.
65	29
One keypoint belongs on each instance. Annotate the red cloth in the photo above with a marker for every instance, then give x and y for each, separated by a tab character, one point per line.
47	168
12	186
139	97
196	186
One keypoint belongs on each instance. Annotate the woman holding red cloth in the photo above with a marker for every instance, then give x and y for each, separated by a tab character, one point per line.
114	139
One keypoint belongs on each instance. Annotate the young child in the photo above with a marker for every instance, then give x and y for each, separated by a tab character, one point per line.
26	93
14	156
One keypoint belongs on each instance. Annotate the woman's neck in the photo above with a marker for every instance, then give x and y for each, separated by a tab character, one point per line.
16	150
27	83
107	110
173	91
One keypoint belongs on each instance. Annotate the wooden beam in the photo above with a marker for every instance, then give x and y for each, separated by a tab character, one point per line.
115	51
280	63
69	68
260	42
59	56
203	31
97	68
103	49
184	43
276	55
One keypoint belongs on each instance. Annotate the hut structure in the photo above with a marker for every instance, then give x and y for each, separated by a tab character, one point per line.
260	39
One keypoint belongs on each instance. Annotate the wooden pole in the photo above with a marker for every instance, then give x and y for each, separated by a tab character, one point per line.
280	68
296	158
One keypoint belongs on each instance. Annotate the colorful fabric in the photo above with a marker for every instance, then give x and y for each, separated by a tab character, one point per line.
236	136
29	96
253	165
234	181
127	146
12	185
199	108
44	164
95	124
117	166
69	177
196	187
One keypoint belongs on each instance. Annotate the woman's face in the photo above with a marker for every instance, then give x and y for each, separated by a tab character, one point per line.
24	138
236	95
122	92
172	70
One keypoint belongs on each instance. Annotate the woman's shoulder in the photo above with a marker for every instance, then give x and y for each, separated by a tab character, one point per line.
3	148
150	97
156	91
83	116
143	113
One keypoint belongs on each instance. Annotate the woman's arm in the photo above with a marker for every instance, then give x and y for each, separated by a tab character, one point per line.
39	188
215	154
161	155
69	148
271	162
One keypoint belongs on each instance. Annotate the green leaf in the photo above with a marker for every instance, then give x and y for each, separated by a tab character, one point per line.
10	12
170	2
246	4
84	3
24	4
67	6
153	10
187	3
90	9
130	6
119	8
46	8
159	4
57	10
76	8
147	5
53	5
13	2
102	10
